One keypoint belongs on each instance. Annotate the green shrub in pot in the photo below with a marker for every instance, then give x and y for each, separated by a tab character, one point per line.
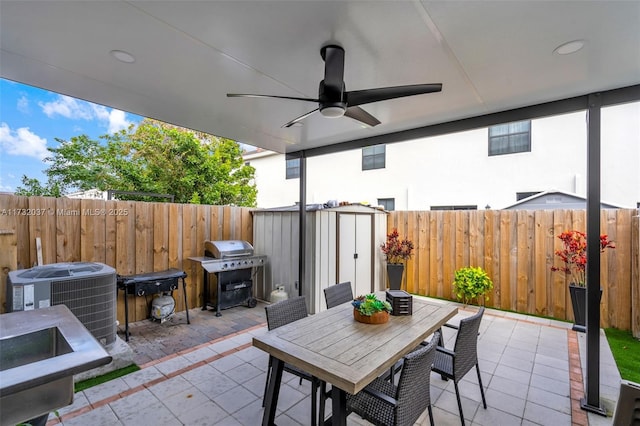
471	283
369	304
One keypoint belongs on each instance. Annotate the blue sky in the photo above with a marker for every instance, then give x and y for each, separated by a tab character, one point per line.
30	121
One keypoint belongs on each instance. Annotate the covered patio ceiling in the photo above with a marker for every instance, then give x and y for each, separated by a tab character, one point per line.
490	56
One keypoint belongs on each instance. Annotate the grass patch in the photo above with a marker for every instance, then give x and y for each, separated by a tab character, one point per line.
86	384
626	352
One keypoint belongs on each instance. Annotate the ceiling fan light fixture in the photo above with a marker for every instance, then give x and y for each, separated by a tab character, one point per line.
569	47
332	111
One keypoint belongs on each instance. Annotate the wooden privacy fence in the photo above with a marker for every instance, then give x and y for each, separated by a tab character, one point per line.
133	237
516	248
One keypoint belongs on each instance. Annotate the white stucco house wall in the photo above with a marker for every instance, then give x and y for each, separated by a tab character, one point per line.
94	194
456	170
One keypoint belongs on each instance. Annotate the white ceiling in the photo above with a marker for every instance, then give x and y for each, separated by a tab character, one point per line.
489	55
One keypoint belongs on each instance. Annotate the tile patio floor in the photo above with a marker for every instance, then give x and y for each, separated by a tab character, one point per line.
529	373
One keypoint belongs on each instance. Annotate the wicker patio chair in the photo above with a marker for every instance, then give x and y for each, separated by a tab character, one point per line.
384	403
283	313
455	364
338	294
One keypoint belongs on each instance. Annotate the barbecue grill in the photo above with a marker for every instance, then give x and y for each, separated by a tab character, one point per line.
234	264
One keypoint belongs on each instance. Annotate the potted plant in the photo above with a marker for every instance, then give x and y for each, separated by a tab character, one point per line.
371	310
396	251
471	283
574	258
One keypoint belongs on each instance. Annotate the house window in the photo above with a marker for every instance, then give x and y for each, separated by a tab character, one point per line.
523	195
389	204
461	207
510	138
373	157
293	168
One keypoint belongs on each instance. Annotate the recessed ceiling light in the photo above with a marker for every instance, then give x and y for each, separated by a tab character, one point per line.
569	47
123	56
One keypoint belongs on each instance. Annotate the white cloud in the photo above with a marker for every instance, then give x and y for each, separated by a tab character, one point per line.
23	105
5	188
100	112
118	121
65	106
22	142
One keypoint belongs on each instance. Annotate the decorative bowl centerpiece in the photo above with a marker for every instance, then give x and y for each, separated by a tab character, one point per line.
369	309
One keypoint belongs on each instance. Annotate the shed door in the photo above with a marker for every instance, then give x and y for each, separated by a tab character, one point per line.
354	251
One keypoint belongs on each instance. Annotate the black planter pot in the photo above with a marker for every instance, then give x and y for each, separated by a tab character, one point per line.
579	303
38	421
394	272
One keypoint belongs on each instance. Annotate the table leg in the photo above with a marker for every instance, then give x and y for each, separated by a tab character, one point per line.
338	407
273	391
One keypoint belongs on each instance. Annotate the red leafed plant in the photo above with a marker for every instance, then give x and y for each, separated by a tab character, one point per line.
574	254
396	250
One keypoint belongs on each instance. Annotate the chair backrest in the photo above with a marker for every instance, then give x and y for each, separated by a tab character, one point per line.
338	294
466	346
285	312
413	392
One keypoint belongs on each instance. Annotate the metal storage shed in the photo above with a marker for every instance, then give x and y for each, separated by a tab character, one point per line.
342	244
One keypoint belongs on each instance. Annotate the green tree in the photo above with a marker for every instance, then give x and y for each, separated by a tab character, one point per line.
80	164
32	186
160	158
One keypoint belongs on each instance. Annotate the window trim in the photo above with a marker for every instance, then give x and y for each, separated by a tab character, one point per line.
510	148
288	173
385	201
375	157
455	207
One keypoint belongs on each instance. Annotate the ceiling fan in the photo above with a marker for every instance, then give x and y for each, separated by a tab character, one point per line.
333	101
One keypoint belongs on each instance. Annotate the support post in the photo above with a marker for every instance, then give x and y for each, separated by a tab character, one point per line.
303	222
591	402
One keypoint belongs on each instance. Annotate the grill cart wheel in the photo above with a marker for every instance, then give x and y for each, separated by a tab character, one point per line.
252	302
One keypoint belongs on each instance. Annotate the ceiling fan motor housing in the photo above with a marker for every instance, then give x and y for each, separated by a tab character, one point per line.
331	102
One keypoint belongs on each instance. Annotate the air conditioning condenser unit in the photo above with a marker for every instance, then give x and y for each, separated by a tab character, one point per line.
88	289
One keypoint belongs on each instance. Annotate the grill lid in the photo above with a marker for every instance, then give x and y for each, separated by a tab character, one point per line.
227	248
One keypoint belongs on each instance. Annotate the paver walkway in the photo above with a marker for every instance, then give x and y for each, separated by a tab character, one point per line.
527	367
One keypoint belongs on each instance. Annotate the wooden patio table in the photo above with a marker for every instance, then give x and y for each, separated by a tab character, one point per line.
335	348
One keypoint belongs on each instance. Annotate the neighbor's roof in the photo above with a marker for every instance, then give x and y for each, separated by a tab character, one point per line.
554	199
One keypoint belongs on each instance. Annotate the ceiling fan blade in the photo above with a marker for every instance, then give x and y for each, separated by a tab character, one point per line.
302	117
360	97
249	95
361	115
333	69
